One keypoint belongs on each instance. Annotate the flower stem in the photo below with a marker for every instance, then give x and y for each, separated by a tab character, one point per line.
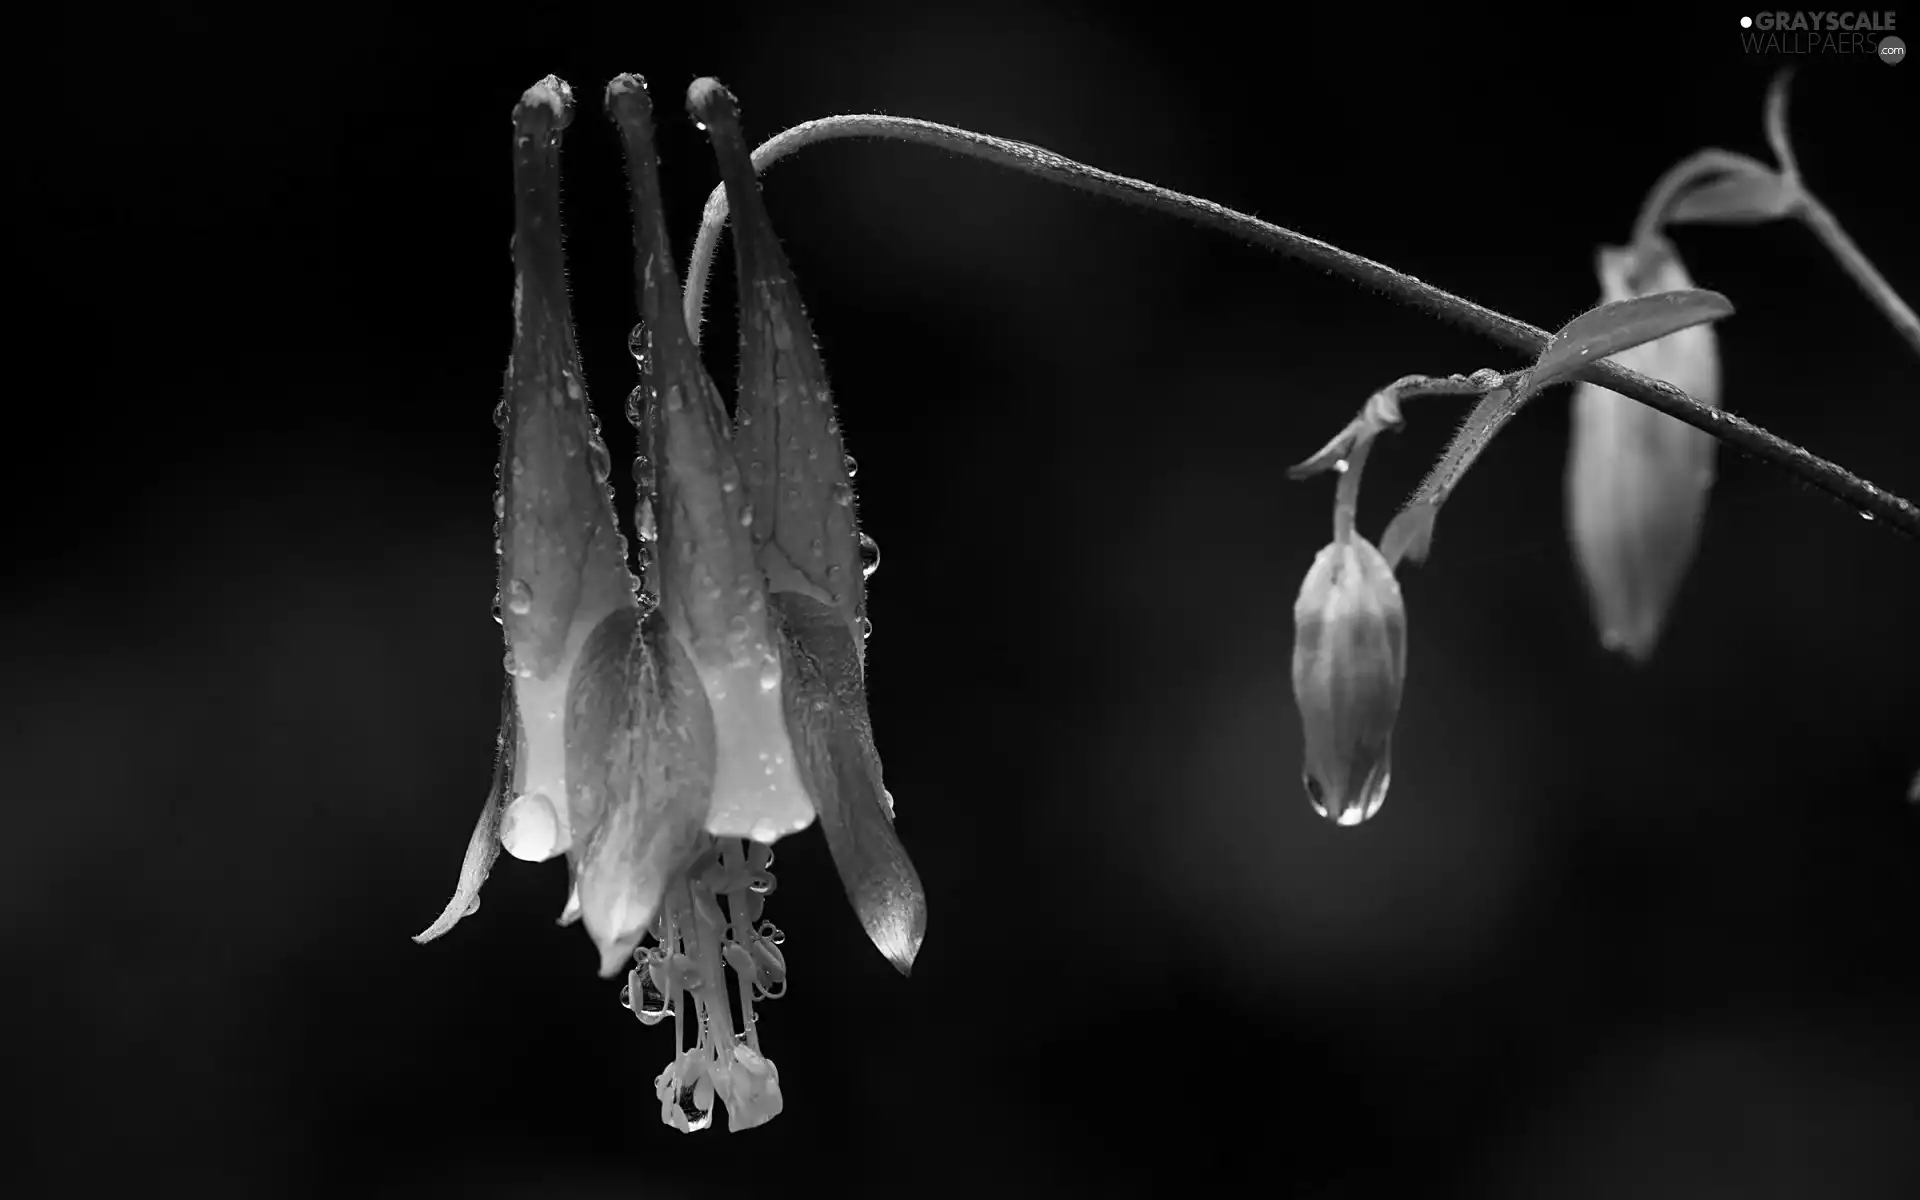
1816	217
1864	497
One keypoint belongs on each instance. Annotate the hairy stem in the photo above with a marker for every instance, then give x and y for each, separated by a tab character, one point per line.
1863	496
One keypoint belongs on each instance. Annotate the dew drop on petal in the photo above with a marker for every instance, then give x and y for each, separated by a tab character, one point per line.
869	556
519	598
853	468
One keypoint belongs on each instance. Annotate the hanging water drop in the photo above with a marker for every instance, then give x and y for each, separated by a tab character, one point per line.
853	468
1350	810
499	504
866	629
869	556
519	598
644	998
637	406
637	345
597	455
643	521
500	415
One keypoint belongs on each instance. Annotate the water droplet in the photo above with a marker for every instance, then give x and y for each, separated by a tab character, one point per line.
497	620
637	344
769	674
513	667
499	504
730	479
762	885
644	997
853	468
637	406
700	125
842	494
1360	806
518	466
643	521
1865	515
519	597
602	462
1340	467
869	556
500	415
888	797
643	472
746	516
866	629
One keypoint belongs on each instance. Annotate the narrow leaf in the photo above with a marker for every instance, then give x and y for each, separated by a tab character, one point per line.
1622	324
1738	199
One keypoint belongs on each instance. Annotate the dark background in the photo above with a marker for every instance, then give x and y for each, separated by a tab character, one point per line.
1616	932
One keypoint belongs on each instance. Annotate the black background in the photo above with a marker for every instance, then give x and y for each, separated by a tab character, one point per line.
1616	932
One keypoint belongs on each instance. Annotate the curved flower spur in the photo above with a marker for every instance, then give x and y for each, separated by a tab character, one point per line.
663	740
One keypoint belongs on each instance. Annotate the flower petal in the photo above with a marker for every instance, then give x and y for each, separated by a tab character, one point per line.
805	530
484	846
562	561
640	755
711	588
1637	480
827	714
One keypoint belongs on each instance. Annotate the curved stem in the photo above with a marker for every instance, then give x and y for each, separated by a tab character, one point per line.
1777	124
1346	493
1660	198
1864	497
1816	217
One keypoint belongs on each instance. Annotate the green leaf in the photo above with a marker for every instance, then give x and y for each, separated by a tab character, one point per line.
1410	534
1741	199
1621	325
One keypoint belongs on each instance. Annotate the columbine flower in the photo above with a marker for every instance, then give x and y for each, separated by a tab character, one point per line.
664	737
1349	663
1637	479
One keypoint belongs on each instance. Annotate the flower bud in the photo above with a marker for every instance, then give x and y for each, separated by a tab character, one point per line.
1349	662
1637	479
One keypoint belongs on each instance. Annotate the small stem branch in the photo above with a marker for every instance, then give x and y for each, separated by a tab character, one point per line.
1528	340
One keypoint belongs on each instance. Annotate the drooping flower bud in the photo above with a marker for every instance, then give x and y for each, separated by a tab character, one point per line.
1349	663
1637	479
